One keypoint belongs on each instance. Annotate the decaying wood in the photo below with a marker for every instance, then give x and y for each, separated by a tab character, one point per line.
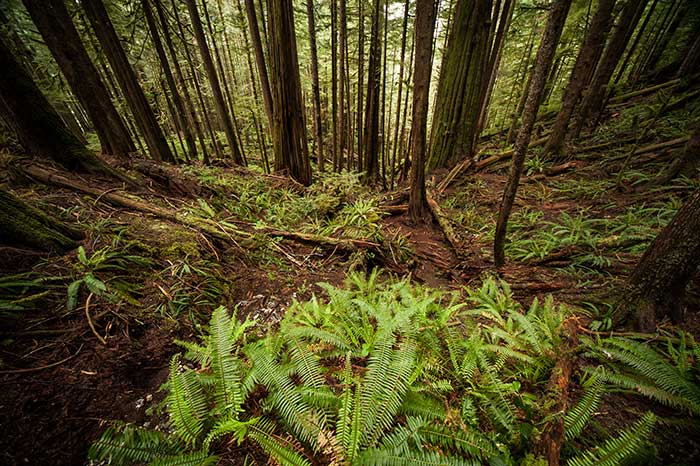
604	145
552	437
445	226
645	91
504	155
553	171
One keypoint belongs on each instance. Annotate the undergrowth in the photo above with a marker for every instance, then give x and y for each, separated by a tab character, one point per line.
397	374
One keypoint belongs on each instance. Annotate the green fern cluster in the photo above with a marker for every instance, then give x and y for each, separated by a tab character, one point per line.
377	374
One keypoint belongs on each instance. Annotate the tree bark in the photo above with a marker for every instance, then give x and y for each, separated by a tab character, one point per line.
691	62
289	133
25	226
585	63
135	98
342	45
543	62
459	95
334	82
657	285
397	125
425	28
214	83
180	113
39	128
360	83
56	27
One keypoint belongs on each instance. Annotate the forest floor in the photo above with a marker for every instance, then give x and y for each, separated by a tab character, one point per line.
87	337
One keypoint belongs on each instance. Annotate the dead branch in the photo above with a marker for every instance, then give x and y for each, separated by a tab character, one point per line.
445	226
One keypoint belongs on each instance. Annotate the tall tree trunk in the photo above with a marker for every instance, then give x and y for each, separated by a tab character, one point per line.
289	134
180	114
371	128
259	58
342	45
543	62
318	130
404	28
214	82
334	82
406	154
425	28
457	105
360	82
25	226
635	43
691	62
135	98
56	27
382	116
585	63
37	125
669	26
594	98
657	286
182	83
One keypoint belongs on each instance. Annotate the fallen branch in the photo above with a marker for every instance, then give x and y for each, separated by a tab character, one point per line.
605	145
553	171
445	226
645	91
504	155
41	368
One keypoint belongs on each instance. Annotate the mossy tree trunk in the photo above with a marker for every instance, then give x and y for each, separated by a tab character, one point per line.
39	128
288	132
425	28
24	226
371	124
543	62
318	127
461	85
657	285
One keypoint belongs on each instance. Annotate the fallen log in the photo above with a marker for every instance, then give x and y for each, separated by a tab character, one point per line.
553	171
225	232
645	91
445	226
504	155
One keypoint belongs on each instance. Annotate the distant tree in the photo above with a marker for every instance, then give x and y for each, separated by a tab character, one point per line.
214	83
56	28
371	124
462	76
424	31
318	129
39	128
594	99
543	62
135	98
288	131
180	113
580	75
657	286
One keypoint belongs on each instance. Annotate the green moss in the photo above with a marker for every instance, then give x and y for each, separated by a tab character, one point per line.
165	240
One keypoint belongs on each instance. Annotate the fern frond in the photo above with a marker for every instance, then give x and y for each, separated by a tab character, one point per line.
577	417
416	404
200	458
306	363
473	444
278	449
391	457
187	403
225	366
128	445
614	451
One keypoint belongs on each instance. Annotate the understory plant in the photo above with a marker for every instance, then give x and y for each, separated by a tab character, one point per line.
374	374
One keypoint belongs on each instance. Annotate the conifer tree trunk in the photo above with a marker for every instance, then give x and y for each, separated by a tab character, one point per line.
691	62
403	175
37	125
214	82
318	130
585	64
371	127
594	98
360	82
259	57
543	62
22	225
669	26
657	285
289	134
457	105
382	116
404	28
343	34
191	111
56	27
135	98
179	107
334	82
424	30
